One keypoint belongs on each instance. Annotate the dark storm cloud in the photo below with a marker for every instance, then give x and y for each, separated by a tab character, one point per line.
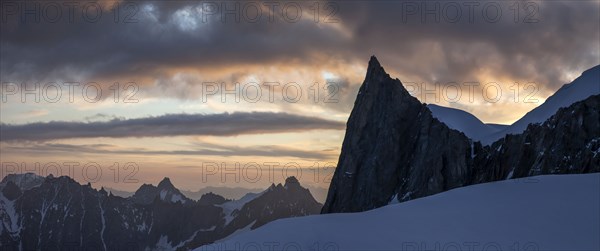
559	36
224	124
540	43
163	34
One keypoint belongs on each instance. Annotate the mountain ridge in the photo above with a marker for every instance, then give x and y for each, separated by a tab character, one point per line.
584	86
78	216
395	148
587	84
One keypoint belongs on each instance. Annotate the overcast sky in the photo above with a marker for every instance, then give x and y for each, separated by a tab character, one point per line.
296	67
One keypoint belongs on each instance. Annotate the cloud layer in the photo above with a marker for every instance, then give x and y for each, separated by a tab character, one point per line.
171	48
538	40
224	124
212	150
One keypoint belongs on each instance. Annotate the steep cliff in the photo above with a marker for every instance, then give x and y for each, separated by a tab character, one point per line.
394	149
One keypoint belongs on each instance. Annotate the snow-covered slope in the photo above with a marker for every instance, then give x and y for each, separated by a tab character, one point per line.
231	206
464	122
584	86
538	213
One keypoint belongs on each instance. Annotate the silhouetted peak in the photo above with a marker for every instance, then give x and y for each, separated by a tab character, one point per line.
292	182
165	183
103	191
373	62
375	70
377	80
211	198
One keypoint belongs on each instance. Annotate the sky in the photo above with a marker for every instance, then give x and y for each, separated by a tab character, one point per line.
120	93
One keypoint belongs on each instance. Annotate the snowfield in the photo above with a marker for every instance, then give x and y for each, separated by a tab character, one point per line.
465	122
553	212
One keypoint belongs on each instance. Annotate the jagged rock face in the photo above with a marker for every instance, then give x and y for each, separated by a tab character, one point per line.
291	200
165	191
388	149
61	214
277	202
568	142
395	150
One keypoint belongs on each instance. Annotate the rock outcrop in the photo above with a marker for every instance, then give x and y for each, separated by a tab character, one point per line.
165	191
395	150
279	201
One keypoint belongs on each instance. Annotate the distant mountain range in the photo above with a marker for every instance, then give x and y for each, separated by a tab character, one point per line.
234	193
57	213
397	149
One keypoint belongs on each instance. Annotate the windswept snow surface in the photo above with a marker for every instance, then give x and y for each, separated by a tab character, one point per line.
553	212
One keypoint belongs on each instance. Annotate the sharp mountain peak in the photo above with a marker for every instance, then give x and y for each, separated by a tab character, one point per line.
166	183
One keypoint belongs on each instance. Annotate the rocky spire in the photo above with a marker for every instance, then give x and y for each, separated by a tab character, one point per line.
165	184
394	148
382	123
375	68
292	183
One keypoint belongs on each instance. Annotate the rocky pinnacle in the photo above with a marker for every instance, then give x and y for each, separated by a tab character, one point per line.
394	149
